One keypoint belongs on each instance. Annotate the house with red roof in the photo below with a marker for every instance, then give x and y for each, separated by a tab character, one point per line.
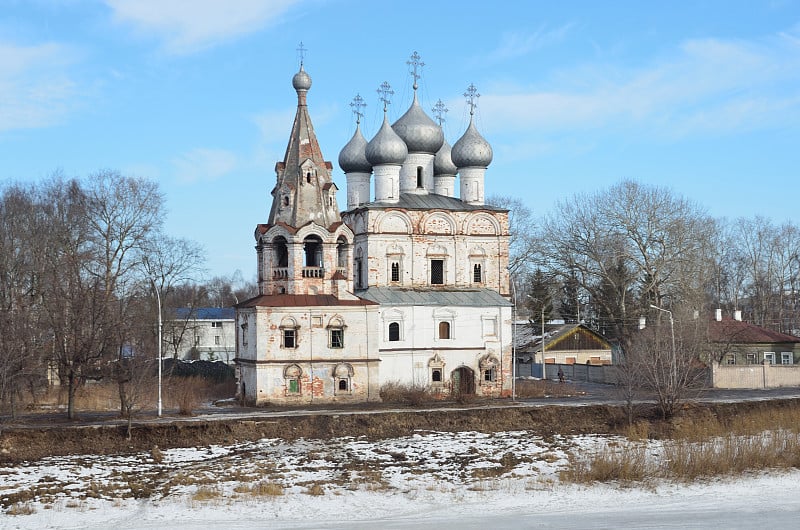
749	356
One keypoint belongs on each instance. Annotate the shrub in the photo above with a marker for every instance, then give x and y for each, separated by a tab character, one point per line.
414	395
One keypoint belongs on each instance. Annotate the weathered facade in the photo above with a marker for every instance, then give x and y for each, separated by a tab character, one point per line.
410	285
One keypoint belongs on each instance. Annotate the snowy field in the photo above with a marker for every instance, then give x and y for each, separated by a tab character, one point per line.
465	480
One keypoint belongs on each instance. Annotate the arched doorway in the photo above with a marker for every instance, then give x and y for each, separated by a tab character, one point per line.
463	381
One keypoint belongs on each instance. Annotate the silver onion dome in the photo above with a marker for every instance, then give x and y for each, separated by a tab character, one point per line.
386	147
301	80
471	150
353	156
418	131
443	162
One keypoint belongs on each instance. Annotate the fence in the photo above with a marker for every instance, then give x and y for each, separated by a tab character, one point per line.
603	374
755	376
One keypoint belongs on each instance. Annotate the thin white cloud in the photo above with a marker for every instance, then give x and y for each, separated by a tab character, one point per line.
515	44
203	165
36	88
705	86
187	26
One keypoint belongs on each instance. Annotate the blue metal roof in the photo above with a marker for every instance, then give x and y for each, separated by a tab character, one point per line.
205	313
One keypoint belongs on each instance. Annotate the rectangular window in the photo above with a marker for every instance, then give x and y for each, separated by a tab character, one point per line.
289	338
477	276
395	271
437	271
787	357
769	357
216	324
337	338
751	358
294	386
196	340
216	340
489	375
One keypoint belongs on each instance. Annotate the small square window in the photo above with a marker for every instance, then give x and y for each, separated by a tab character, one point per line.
489	375
436	375
294	386
731	359
787	357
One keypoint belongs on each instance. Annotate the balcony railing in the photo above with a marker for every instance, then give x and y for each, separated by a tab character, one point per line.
313	272
280	273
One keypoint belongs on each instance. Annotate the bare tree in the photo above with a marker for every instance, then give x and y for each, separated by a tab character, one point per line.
521	229
669	356
630	246
20	333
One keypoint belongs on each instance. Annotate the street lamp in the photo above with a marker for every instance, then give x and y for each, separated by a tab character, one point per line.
544	368
514	343
158	299
674	356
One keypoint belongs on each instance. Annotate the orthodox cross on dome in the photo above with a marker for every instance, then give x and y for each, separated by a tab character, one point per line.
439	110
385	90
358	104
301	53
415	61
472	98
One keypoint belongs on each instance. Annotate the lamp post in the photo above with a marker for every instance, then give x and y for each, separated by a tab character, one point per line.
544	368
158	299
513	343
674	381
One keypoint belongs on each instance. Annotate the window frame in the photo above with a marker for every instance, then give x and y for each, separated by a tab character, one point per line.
440	262
333	342
399	334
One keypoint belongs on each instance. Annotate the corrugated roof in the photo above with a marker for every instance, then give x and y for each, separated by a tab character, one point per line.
461	297
740	332
430	201
300	300
205	313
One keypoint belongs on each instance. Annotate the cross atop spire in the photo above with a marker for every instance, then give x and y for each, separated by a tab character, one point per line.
385	90
472	98
358	104
439	110
301	53
415	61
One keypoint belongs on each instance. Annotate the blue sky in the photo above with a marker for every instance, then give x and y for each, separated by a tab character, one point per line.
702	97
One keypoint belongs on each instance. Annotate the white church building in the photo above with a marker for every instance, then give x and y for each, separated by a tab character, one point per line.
408	285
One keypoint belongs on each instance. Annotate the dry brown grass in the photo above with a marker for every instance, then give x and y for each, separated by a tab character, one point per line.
266	489
206	493
414	395
532	388
315	489
766	439
20	508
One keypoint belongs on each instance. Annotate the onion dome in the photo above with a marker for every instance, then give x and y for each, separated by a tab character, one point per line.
301	80
471	150
418	131
353	156
386	147
442	162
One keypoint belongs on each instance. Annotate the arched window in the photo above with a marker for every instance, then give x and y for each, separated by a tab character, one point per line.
419	176
436	375
444	330
286	200
394	331
477	277
342	384
308	177
395	271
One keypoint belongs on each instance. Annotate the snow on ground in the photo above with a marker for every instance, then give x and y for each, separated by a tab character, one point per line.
466	479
